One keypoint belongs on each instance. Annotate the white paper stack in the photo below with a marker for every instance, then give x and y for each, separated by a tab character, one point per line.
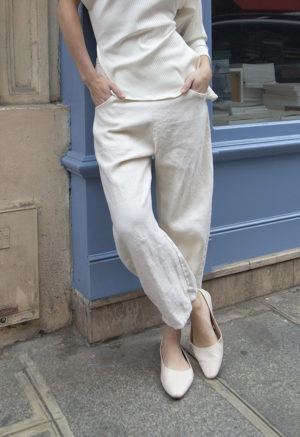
283	96
254	77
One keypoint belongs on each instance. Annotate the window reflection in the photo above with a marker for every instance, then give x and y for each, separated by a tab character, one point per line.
256	61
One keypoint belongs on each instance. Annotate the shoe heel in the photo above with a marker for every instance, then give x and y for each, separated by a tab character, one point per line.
210	357
208	298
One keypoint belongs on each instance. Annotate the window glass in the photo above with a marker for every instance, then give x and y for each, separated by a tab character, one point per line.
256	61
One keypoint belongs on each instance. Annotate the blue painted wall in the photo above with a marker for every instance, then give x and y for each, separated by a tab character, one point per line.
256	202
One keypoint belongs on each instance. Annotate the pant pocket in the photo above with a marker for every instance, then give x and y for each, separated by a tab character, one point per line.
197	93
105	102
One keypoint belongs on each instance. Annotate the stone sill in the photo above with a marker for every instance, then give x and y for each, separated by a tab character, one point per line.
110	317
219	271
253	263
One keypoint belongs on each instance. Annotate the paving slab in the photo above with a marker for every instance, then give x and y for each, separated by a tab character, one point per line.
261	357
286	302
113	389
14	405
59	385
262	365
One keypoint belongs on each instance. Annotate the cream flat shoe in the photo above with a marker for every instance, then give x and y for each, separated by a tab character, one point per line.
176	382
210	357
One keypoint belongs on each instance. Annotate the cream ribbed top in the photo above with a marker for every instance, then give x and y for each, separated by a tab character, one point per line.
148	47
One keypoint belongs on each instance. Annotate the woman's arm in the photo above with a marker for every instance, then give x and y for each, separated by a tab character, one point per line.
189	24
71	29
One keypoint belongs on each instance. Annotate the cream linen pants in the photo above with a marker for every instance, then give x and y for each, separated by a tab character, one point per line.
167	255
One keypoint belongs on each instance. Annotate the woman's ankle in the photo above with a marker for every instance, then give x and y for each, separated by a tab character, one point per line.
171	335
197	303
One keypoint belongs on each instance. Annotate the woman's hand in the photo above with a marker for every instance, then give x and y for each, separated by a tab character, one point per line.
70	25
199	79
100	87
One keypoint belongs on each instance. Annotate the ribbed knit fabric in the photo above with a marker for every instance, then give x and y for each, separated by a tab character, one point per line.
148	47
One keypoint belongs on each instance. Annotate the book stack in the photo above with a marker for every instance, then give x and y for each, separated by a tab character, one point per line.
282	96
252	95
254	78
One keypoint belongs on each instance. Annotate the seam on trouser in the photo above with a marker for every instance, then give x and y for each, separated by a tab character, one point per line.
190	288
186	293
189	285
185	275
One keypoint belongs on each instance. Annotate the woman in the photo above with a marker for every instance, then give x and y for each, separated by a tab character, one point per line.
149	88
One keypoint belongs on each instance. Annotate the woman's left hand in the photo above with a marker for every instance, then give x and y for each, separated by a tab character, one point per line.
199	79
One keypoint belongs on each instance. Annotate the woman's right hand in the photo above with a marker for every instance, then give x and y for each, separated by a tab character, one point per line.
70	25
100	88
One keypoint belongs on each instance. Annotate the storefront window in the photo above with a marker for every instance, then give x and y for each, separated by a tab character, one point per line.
256	61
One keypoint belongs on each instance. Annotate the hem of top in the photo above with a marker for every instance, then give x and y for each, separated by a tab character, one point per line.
142	98
210	95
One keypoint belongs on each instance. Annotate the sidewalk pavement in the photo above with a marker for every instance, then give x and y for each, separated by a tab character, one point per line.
59	385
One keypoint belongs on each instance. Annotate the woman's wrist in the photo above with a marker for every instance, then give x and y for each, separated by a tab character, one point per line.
205	67
89	77
204	60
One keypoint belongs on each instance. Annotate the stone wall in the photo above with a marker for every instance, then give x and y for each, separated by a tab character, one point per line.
35	234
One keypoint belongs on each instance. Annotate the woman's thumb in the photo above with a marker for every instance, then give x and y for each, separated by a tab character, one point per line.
187	84
117	90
